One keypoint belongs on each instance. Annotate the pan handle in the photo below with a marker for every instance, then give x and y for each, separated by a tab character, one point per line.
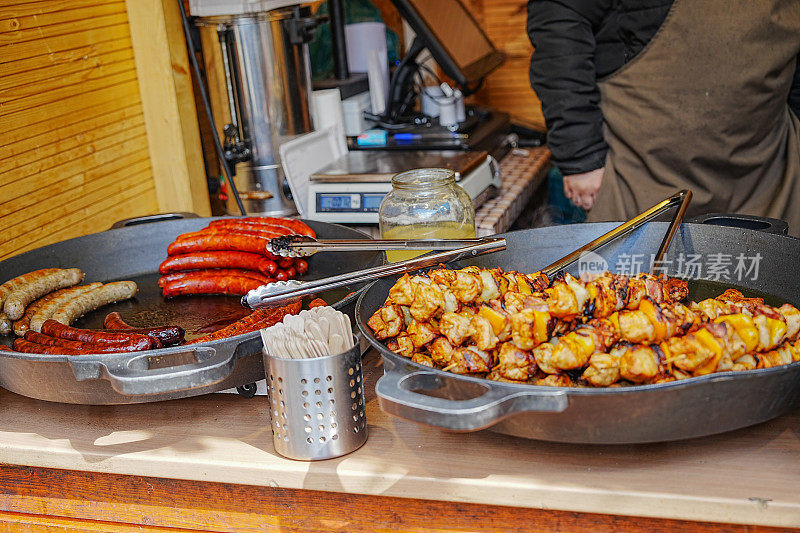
141	374
160	217
397	394
733	220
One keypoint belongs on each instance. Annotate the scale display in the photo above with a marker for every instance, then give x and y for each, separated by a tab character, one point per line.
348	202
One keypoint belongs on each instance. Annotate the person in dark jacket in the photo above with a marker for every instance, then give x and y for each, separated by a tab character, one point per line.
642	98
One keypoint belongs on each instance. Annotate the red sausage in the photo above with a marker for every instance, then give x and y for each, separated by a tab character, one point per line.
297	226
220	241
268	230
21	345
226	272
301	265
210	285
243	229
285	262
317	302
291	273
280	275
167	335
226	259
83	347
94	336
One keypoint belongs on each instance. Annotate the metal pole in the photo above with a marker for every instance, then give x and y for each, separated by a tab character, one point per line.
340	69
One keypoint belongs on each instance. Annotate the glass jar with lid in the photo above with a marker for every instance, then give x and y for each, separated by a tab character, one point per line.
425	203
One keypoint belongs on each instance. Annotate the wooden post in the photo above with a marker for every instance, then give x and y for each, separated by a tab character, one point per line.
165	84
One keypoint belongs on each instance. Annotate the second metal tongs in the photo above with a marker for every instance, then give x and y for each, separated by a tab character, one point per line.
304	246
279	292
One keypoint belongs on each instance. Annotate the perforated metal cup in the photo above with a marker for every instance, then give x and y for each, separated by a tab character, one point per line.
317	406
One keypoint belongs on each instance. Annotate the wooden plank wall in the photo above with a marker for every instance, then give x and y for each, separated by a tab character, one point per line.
508	88
73	146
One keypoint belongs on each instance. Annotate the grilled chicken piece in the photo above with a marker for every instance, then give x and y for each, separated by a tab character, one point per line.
530	327
652	323
786	353
401	344
469	360
456	327
421	333
637	363
574	349
387	322
603	369
428	300
422	359
441	351
515	364
556	380
543	355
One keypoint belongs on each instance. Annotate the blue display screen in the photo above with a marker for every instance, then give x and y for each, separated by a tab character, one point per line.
372	202
328	202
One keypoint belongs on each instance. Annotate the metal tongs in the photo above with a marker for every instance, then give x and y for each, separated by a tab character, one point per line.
680	199
280	292
304	246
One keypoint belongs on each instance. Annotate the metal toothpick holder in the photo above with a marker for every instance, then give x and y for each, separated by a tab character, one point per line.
317	405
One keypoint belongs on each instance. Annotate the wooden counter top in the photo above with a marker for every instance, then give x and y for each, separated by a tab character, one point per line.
749	476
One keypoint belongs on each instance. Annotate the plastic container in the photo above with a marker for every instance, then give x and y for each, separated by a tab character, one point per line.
425	203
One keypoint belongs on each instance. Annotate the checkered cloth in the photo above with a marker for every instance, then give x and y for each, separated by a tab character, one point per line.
521	175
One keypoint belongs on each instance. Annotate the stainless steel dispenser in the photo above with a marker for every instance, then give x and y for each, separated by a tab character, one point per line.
259	80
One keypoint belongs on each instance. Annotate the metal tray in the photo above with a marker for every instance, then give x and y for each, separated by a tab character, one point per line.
134	251
649	413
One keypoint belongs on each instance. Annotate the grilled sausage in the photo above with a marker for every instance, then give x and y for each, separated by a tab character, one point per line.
210	285
317	302
11	285
297	226
226	272
48	308
95	336
264	230
90	300
228	231
8	287
221	241
301	265
260	318
22	325
84	347
24	346
285	262
14	306
168	335
229	259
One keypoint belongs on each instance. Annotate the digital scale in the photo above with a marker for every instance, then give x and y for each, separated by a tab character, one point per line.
350	189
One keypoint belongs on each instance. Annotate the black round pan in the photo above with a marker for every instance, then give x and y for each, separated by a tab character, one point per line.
649	413
134	252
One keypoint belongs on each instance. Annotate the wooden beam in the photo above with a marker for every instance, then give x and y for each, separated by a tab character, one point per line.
173	135
158	502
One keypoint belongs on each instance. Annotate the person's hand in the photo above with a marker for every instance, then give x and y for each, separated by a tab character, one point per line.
582	188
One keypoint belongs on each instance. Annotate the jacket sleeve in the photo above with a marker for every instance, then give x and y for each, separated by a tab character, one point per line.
564	77
794	92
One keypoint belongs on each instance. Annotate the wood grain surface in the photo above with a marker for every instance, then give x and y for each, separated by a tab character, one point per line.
747	476
73	151
111	501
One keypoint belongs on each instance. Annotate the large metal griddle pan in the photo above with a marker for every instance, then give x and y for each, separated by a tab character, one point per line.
652	413
134	251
